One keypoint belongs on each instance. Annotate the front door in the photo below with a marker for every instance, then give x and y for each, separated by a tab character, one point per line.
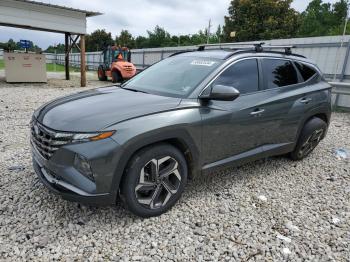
233	127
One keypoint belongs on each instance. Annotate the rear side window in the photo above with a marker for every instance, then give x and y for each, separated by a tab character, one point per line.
306	72
278	73
243	75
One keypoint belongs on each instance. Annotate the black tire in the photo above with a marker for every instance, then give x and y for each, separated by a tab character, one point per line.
101	73
137	196
116	77
312	133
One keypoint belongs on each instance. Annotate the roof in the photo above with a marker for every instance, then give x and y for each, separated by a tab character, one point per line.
87	13
225	54
216	54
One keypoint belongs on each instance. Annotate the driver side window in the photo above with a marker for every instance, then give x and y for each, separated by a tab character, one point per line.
243	75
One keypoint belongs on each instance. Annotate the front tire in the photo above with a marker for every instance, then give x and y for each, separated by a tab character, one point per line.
101	73
154	180
116	77
312	133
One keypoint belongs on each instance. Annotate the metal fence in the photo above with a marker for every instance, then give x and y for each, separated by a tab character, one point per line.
93	59
326	52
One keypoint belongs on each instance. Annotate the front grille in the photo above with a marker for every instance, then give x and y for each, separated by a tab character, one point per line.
128	68
47	141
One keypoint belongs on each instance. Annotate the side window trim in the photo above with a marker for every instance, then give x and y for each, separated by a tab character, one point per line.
261	74
300	77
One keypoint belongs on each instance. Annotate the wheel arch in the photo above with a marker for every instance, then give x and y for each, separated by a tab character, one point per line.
322	113
184	144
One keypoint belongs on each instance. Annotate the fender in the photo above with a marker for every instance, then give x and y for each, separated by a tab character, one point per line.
157	136
323	109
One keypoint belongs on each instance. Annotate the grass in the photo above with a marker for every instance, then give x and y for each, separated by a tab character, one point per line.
60	68
49	67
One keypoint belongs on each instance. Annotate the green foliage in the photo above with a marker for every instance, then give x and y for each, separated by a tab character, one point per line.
11	45
60	68
98	40
125	39
159	37
321	19
58	48
260	19
2	65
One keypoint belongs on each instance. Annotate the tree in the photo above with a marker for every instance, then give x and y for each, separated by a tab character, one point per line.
11	45
159	38
321	19
261	19
58	48
125	39
141	42
98	40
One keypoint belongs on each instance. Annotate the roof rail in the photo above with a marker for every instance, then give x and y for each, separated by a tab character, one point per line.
180	52
257	47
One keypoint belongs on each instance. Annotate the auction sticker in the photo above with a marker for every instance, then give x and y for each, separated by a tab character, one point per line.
203	63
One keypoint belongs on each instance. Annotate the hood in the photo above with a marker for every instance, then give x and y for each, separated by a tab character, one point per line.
96	109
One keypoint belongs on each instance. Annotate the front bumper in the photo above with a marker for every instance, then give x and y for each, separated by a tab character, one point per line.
59	175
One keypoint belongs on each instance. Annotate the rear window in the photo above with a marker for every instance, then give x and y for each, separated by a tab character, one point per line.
306	72
278	73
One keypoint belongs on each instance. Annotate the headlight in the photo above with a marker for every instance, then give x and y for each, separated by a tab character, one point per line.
84	137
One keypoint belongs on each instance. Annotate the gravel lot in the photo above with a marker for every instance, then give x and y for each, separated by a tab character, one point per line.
273	209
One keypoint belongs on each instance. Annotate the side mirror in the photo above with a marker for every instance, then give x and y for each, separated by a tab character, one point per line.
221	93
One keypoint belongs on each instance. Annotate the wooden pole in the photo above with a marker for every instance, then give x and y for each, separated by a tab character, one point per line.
82	62
66	54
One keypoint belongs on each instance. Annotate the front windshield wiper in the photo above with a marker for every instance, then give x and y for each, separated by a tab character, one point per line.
133	89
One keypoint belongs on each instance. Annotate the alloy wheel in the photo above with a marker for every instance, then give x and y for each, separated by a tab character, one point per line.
311	142
159	181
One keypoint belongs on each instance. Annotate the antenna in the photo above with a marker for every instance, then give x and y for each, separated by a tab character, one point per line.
209	27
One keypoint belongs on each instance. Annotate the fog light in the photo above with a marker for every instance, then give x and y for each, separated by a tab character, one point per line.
83	166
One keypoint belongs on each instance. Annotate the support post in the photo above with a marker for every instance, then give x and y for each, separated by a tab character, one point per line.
66	55
346	61
82	62
143	59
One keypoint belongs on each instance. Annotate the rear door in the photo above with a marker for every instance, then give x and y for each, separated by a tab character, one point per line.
285	103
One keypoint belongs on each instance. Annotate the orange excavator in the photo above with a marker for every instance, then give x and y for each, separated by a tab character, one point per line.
116	64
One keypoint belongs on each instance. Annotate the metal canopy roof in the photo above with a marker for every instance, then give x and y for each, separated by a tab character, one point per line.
44	17
88	13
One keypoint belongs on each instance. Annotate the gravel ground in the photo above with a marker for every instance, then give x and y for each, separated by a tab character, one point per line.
273	210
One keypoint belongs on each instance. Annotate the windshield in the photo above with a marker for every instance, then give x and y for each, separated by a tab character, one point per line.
176	76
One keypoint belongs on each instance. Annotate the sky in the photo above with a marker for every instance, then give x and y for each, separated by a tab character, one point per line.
138	16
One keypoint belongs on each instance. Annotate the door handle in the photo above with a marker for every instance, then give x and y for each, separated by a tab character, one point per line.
305	100
257	112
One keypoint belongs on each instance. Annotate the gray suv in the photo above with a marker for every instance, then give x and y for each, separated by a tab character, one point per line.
184	116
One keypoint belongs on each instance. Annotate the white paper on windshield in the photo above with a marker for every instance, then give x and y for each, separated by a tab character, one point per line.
202	63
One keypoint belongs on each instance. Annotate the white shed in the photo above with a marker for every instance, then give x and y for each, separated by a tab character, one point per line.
51	18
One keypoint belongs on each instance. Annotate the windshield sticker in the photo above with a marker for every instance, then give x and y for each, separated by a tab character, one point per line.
203	63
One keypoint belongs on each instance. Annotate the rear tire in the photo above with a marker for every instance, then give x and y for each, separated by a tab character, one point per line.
101	73
116	77
154	180
312	133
